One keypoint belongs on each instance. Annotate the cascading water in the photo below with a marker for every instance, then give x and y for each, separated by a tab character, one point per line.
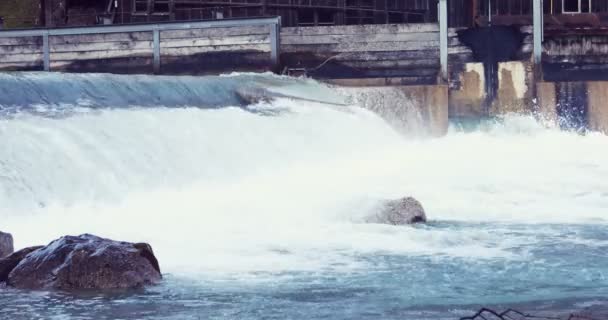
256	210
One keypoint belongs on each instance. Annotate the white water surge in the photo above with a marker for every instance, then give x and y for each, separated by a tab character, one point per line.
234	191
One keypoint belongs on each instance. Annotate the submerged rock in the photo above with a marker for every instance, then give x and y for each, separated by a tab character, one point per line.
250	95
6	244
400	212
86	262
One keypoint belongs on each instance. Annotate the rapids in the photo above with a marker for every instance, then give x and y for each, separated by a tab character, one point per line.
255	211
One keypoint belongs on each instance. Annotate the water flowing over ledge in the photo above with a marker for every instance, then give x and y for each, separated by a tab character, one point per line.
248	210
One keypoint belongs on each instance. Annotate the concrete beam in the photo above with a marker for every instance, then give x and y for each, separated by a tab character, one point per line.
143	27
275	42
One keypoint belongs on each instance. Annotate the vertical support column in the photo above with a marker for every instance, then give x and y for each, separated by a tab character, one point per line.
386	17
489	12
443	38
156	51
48	13
474	10
339	16
275	42
46	51
149	9
538	32
172	10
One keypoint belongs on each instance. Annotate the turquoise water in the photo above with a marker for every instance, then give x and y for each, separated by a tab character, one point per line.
257	211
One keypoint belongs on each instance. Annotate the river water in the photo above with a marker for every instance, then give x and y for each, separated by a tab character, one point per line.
255	211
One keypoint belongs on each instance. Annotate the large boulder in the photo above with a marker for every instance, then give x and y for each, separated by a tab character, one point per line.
7	264
86	262
399	212
6	244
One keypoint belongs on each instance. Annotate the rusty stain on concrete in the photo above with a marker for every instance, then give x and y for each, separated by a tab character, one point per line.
518	80
513	91
597	111
468	99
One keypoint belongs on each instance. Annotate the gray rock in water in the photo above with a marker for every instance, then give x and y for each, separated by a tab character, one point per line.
87	262
400	212
7	264
250	95
6	244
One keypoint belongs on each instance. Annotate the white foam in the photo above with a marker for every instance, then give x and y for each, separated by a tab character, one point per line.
230	191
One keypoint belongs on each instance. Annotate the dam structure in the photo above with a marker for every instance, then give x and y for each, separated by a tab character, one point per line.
463	58
272	152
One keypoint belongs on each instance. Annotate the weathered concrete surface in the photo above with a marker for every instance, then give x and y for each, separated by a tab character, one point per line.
574	104
514	94
404	53
467	100
194	51
571	105
546	103
416	110
597	109
576	57
432	101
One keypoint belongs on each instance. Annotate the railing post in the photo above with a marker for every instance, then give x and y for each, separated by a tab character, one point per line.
46	51
538	32
275	42
156	33
443	38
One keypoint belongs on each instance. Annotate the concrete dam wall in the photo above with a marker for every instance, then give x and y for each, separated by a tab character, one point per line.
490	69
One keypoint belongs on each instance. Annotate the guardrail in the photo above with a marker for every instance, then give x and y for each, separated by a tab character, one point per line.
155	29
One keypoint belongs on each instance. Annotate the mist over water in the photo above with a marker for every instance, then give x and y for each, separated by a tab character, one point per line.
262	205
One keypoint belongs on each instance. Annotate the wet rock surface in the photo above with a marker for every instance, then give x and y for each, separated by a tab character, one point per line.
6	244
7	264
402	211
85	262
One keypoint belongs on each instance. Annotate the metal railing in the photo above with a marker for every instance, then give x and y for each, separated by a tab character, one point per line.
155	29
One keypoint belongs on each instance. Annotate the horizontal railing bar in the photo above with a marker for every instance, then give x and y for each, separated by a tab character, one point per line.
141	27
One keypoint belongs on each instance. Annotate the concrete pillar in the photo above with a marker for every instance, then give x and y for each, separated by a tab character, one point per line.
46	51
443	38
156	38
546	103
597	113
275	43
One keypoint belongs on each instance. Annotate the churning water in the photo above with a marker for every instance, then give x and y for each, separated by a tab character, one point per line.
255	210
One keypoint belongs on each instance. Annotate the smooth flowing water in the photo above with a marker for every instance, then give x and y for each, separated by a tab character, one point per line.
256	211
